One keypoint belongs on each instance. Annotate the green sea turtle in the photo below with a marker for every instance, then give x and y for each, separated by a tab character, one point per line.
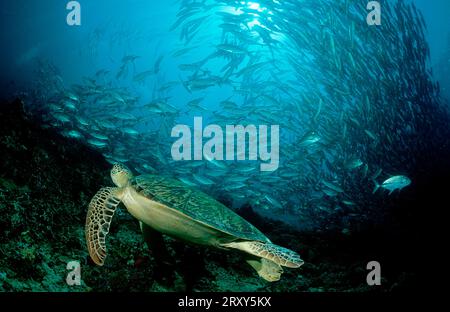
180	211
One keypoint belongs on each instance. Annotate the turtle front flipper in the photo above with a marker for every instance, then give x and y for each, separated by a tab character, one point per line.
280	255
155	242
98	220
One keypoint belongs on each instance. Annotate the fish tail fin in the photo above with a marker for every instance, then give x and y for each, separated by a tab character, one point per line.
185	85
377	186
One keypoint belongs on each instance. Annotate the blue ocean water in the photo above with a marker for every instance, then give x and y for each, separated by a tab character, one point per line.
41	31
231	63
349	119
438	26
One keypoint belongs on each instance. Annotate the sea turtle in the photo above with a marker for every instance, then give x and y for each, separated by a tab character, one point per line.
180	211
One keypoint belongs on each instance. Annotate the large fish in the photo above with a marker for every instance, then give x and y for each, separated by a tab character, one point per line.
393	183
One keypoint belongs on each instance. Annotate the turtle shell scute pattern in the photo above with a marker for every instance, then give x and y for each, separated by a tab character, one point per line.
195	204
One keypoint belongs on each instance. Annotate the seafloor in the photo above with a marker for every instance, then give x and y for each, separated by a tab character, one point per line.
47	181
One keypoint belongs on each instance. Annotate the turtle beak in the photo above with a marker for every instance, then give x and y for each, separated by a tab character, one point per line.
120	178
121	175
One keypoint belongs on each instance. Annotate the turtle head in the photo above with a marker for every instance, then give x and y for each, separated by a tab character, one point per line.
121	175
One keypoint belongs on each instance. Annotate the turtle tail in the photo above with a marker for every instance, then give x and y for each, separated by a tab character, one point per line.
98	220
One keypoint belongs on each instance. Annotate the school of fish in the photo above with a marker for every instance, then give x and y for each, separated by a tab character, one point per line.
355	103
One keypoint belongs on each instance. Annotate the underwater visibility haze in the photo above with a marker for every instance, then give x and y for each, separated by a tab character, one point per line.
222	145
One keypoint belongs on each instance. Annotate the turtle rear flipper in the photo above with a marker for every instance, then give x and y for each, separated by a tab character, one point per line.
98	220
268	270
280	255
